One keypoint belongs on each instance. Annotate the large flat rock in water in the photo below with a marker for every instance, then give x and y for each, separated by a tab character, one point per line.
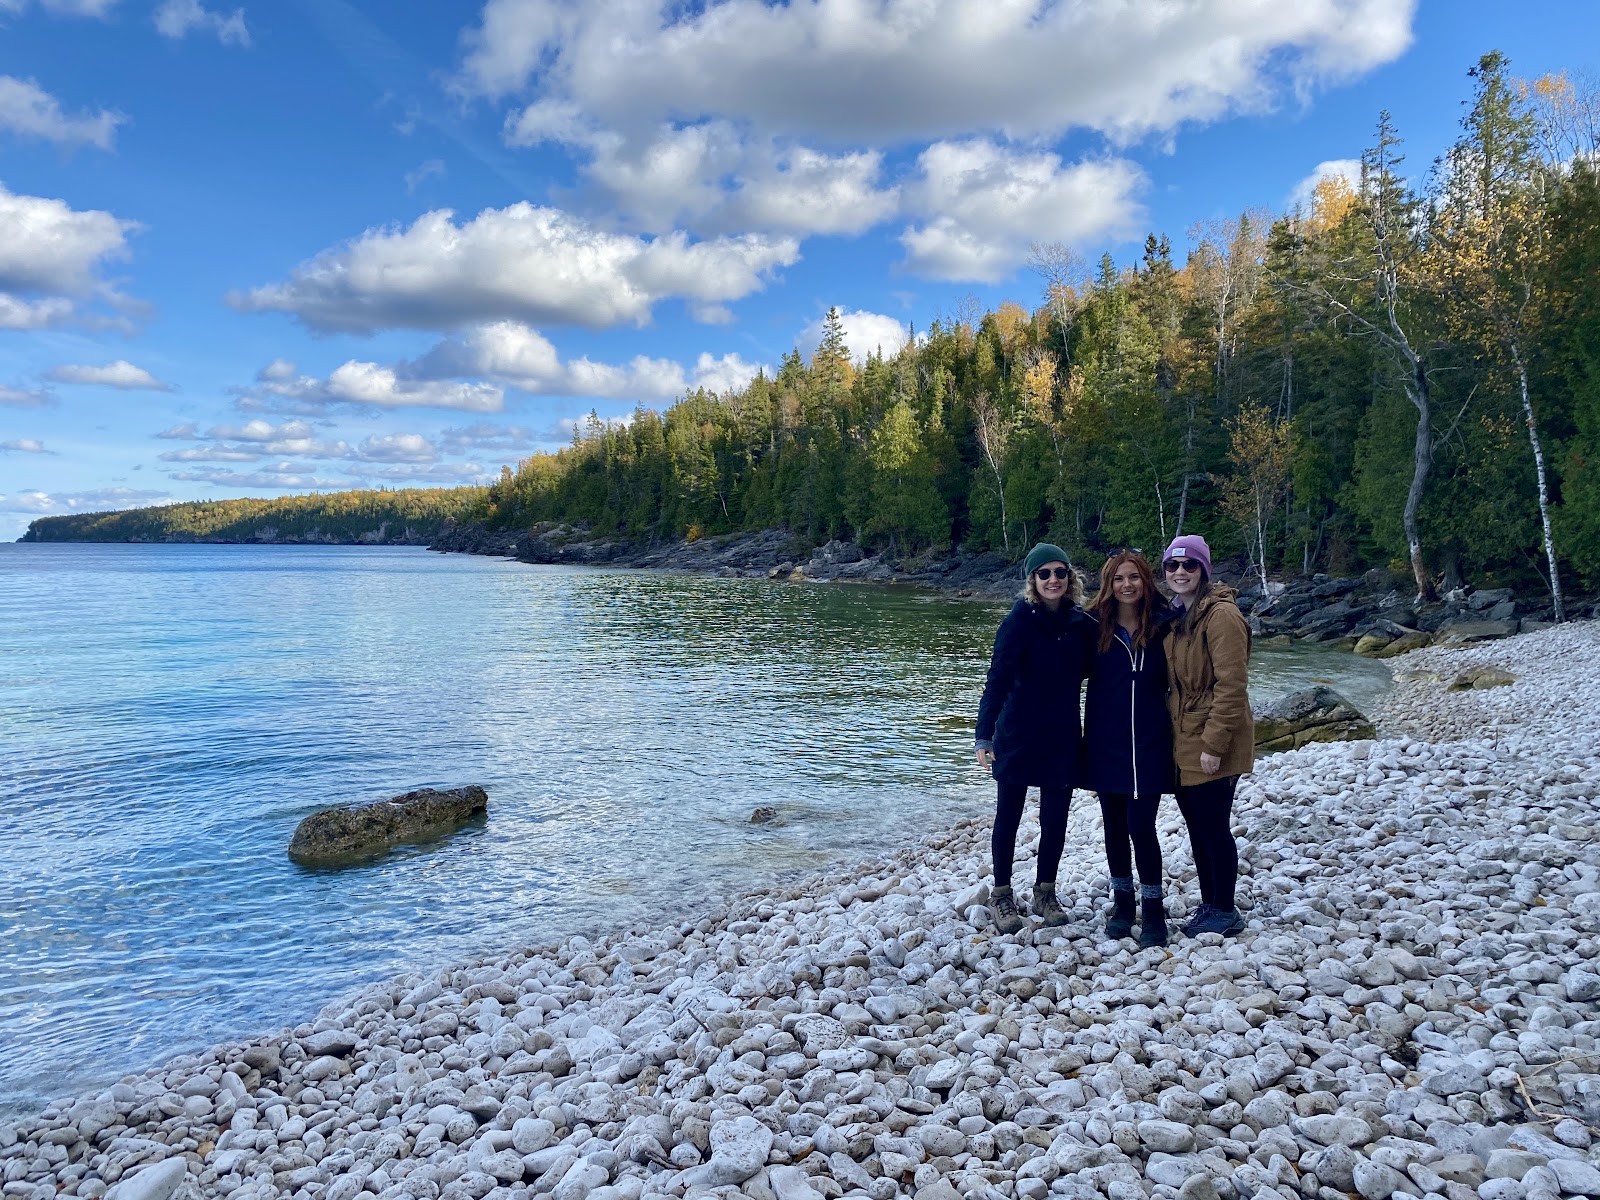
1317	714
356	831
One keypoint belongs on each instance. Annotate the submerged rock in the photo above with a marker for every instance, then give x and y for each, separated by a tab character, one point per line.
355	831
1317	714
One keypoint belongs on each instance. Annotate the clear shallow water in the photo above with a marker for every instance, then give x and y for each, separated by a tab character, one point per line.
168	713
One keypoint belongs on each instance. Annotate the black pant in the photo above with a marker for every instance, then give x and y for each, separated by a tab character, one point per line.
1207	809
1132	818
1053	803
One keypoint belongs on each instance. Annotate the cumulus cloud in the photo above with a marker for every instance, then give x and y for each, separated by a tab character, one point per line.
1347	169
28	110
179	18
484	436
522	262
11	397
988	202
521	356
52	255
865	334
97	500
119	374
903	71
279	387
25	446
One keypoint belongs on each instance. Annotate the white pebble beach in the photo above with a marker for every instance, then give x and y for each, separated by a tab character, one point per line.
1412	1011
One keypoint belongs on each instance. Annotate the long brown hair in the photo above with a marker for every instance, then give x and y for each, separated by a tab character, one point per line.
1105	602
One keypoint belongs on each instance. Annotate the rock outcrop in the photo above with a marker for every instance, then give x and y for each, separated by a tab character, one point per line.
1317	714
353	832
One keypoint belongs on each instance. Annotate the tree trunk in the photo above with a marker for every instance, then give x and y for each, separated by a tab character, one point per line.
1544	491
1418	392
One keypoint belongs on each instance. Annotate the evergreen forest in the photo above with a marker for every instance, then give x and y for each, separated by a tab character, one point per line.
406	514
1403	372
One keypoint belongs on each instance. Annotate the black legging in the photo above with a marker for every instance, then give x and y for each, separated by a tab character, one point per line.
1207	809
1053	803
1132	818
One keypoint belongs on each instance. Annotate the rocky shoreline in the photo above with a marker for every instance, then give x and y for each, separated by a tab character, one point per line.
1372	614
1411	1012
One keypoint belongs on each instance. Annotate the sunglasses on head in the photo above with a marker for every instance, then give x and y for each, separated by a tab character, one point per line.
1183	564
1052	572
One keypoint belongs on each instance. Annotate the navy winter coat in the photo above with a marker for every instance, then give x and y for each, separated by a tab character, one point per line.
1127	729
1029	712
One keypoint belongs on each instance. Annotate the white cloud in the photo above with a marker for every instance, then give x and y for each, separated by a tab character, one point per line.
260	431
397	448
810	192
11	397
214	454
899	71
987	203
279	388
119	374
521	356
63	8
865	333
179	18
484	436
98	500
285	475
1348	169
29	110
26	446
521	262
51	253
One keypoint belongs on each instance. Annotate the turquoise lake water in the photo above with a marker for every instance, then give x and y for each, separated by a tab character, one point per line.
170	712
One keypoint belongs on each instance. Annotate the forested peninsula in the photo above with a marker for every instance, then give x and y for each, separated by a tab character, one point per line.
1402	373
410	516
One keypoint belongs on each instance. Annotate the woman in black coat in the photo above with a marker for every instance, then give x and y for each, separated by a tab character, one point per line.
1028	729
1128	735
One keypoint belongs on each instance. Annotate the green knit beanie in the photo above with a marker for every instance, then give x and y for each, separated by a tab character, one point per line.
1043	553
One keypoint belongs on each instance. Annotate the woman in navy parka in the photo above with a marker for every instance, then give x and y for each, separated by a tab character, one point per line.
1128	737
1028	728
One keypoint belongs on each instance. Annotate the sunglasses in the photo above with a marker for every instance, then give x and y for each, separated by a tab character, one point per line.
1183	564
1052	573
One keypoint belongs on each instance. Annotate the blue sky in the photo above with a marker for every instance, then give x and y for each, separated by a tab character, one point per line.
317	244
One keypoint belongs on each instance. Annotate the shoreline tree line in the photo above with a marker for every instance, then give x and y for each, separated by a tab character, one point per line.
1403	372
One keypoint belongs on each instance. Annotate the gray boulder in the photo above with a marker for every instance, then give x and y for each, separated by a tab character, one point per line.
1317	714
352	832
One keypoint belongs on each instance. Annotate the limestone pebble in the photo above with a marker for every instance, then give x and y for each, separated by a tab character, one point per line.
1411	1012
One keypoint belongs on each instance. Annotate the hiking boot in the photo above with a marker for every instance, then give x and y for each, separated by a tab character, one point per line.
1046	906
1152	922
1003	905
1120	923
1225	921
1192	925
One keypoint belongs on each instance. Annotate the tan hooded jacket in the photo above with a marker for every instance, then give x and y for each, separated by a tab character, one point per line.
1208	667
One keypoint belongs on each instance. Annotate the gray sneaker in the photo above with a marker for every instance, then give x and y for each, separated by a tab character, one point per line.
1007	916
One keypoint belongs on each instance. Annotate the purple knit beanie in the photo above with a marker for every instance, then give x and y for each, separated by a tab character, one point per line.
1190	545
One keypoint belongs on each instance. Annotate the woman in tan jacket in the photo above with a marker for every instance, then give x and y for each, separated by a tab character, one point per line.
1208	662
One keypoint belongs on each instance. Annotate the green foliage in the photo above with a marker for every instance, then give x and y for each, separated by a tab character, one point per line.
1265	392
411	514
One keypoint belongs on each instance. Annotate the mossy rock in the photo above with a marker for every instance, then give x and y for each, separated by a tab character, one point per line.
1474	678
1404	643
1317	714
357	832
1369	644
